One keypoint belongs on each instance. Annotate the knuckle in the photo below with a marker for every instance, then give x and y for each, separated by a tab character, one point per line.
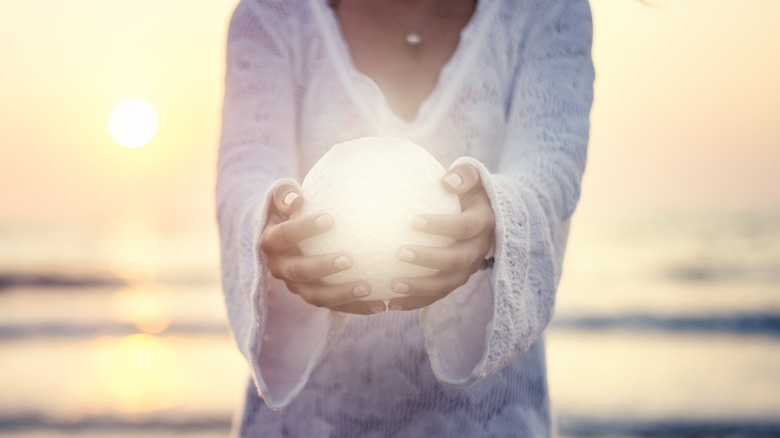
292	272
274	270
306	294
458	262
280	237
489	224
458	281
264	243
471	226
294	287
432	289
315	300
484	249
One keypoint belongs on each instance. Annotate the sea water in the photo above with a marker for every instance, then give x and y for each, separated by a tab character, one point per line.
665	325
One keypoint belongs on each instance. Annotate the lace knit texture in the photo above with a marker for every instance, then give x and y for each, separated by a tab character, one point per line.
514	101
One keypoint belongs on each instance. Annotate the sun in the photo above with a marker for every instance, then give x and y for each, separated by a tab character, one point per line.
133	123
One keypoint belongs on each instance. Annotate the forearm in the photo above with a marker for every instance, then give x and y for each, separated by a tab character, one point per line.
533	193
280	335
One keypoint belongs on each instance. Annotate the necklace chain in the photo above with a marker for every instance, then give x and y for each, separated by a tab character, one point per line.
413	33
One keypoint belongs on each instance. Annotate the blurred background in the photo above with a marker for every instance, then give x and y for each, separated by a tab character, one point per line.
111	316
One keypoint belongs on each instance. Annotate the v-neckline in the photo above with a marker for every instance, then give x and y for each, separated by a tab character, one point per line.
431	108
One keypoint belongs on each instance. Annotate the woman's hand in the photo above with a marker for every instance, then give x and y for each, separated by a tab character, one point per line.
303	274
472	230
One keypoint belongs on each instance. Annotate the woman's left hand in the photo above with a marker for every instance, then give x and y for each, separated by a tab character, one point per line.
472	230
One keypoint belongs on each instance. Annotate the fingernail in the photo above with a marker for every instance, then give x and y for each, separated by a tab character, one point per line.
361	291
401	288
406	255
377	309
396	307
324	221
453	179
289	198
419	223
342	262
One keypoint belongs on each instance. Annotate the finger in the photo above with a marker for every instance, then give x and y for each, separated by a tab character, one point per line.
331	295
461	178
412	303
437	285
287	199
465	225
287	234
461	255
303	269
361	307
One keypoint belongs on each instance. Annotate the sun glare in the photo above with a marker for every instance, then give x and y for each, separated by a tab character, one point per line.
133	123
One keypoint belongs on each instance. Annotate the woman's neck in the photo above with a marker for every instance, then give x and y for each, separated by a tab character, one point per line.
406	68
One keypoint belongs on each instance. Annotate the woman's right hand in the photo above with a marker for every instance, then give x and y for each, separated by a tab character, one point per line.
303	274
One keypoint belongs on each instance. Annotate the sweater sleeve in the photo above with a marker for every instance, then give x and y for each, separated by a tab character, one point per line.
280	335
487	324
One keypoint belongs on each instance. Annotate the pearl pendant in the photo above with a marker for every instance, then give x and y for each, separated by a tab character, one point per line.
413	39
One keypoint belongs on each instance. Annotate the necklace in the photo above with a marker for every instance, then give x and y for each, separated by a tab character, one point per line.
413	33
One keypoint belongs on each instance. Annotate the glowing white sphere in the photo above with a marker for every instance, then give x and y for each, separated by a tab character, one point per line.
373	187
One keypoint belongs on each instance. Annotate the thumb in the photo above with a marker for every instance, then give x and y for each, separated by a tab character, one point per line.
461	178
287	199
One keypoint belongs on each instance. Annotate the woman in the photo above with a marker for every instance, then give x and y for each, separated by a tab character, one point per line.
499	92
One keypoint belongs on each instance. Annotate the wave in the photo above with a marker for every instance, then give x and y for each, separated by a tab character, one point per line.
568	426
82	331
114	423
716	272
54	280
683	428
743	324
746	324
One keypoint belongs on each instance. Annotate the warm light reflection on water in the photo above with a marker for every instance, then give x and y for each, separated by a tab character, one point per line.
135	378
134	242
654	376
135	374
157	353
143	307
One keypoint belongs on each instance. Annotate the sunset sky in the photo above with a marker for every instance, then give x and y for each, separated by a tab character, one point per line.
686	113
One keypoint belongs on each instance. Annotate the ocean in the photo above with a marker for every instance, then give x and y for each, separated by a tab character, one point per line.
666	325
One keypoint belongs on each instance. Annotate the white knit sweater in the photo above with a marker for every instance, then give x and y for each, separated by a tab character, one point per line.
514	101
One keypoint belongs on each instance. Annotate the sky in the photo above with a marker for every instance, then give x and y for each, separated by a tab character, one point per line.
685	115
686	106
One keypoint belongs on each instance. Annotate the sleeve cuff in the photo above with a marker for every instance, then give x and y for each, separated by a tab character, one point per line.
458	327
288	337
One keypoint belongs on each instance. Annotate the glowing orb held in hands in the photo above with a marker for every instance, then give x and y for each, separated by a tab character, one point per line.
373	187
133	123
